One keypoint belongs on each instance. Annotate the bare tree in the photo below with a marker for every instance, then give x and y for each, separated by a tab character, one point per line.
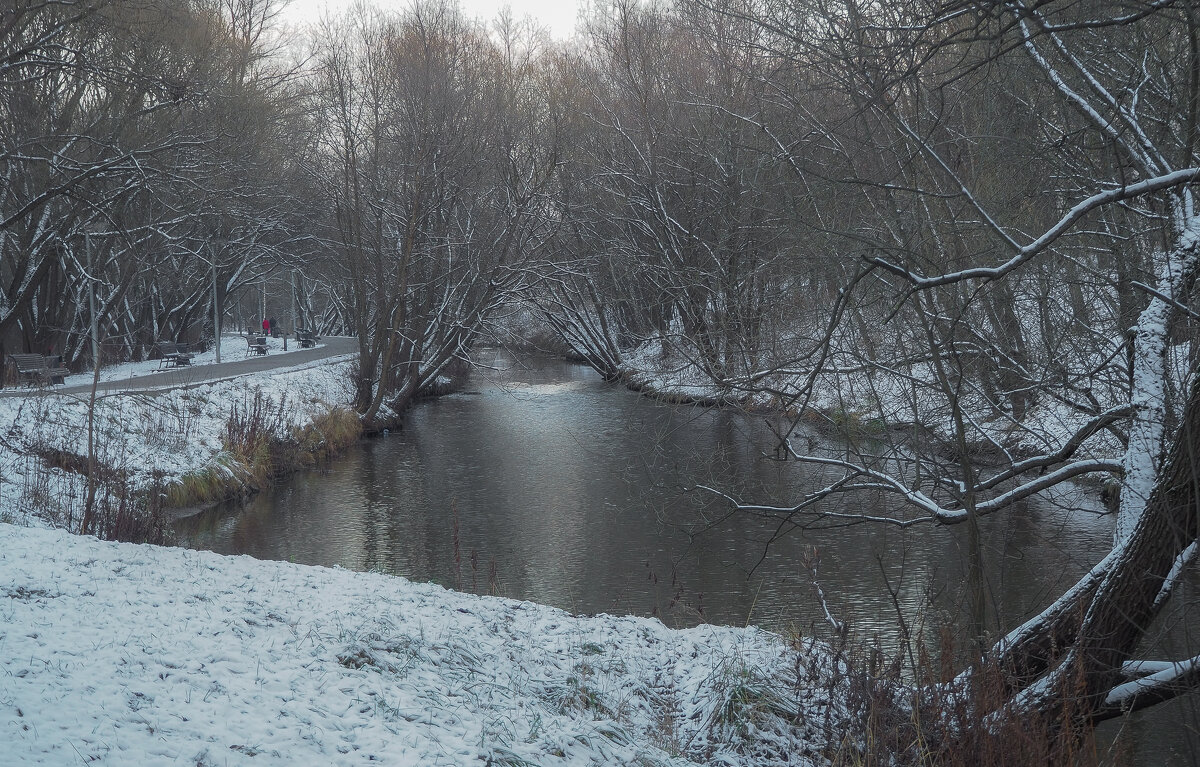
434	150
674	213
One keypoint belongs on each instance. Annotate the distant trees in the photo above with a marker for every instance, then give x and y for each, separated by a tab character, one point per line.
676	210
131	135
164	155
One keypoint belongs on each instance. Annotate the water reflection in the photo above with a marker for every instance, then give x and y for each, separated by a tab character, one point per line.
584	496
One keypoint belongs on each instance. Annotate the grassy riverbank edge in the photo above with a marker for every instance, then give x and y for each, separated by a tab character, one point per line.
259	458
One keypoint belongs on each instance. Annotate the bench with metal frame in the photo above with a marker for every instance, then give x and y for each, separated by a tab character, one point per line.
173	354
256	345
39	370
306	339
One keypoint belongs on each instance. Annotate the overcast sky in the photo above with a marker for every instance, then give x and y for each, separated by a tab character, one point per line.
556	15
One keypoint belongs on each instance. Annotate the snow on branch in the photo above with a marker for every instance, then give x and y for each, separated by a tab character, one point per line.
1168	680
1177	570
1052	469
1028	252
1069	448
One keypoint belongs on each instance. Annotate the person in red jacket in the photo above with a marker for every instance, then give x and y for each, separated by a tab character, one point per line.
266	327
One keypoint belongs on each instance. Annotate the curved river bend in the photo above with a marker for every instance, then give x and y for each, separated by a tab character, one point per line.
542	482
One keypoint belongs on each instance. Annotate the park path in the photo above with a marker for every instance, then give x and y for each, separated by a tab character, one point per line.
194	375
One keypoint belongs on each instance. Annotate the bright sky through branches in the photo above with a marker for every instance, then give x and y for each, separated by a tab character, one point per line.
558	16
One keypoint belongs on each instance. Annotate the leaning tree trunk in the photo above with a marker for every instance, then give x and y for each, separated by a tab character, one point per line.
1116	605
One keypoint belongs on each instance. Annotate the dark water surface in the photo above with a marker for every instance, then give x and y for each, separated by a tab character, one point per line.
564	490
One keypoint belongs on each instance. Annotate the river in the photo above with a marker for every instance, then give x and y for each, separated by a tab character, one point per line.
542	482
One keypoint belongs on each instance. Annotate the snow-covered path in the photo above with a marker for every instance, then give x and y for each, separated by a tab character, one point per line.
138	655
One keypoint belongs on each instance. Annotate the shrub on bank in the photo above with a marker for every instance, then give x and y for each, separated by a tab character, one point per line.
259	445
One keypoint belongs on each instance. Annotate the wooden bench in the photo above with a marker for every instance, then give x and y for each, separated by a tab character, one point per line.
171	353
306	339
36	369
256	345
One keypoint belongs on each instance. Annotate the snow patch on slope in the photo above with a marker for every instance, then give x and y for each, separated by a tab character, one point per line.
135	654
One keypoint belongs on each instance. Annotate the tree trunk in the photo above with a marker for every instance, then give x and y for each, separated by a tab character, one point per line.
1125	602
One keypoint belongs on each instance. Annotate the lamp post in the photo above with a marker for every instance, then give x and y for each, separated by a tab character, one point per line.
89	504
216	303
295	324
87	246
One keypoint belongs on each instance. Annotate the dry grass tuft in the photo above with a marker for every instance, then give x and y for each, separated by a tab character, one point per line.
940	724
260	445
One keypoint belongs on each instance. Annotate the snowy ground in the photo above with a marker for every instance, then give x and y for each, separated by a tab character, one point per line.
138	655
153	438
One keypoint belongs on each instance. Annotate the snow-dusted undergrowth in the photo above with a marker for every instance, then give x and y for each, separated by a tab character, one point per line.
132	654
878	395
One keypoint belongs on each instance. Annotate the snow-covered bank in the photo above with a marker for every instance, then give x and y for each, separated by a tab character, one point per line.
144	441
133	654
857	398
